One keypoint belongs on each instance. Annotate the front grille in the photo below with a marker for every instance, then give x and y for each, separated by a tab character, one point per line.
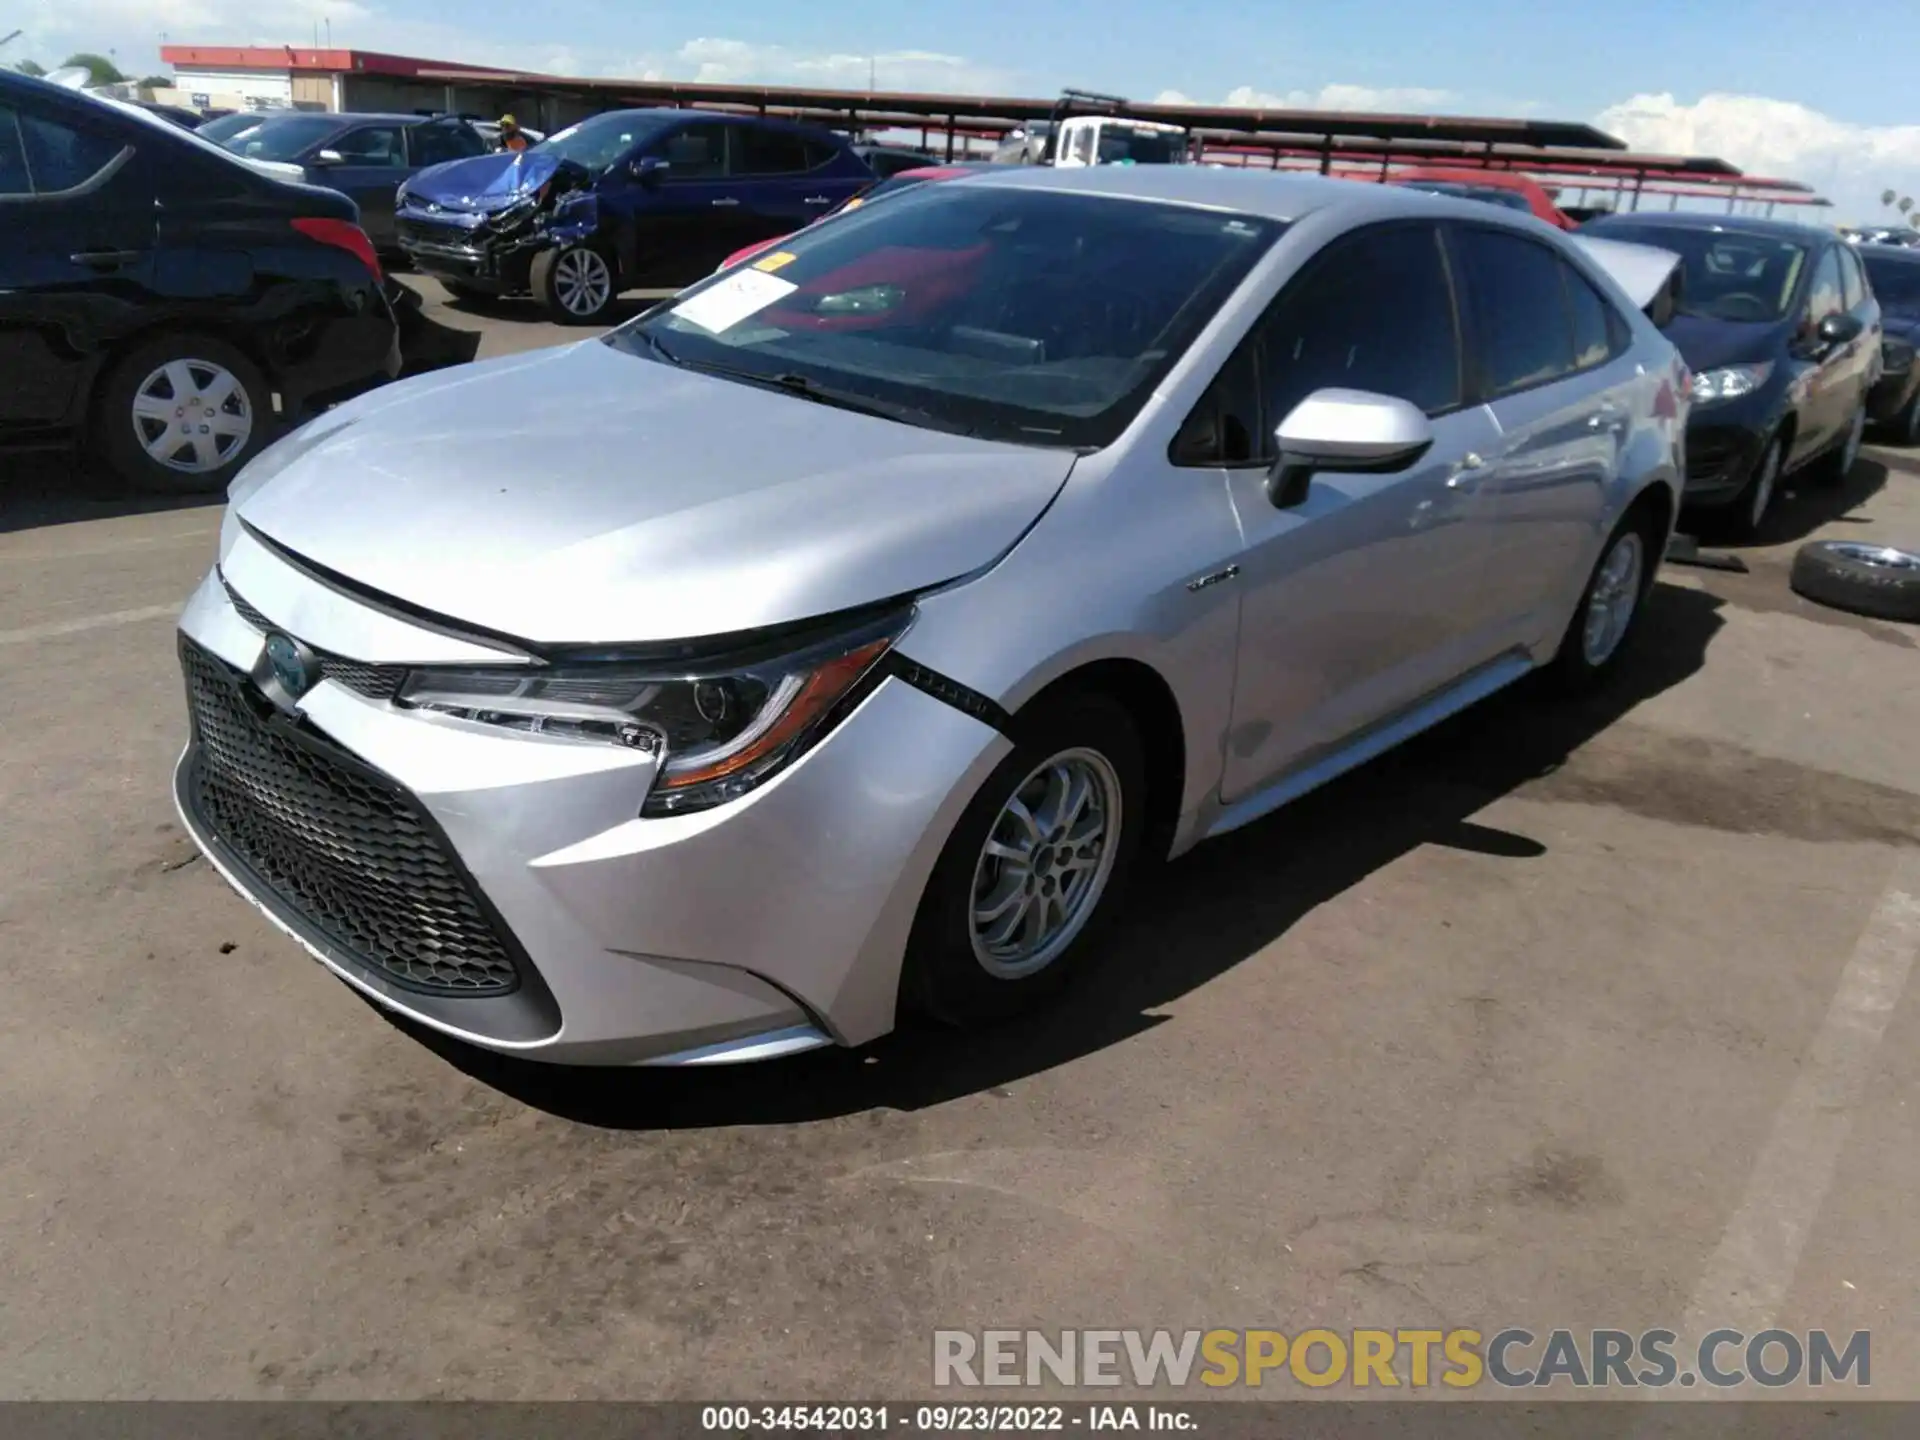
1710	457
341	846
376	682
442	239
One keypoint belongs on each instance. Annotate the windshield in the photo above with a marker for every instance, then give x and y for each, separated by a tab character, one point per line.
1725	274
1119	144
226	127
283	137
1896	283
1036	317
597	143
1492	194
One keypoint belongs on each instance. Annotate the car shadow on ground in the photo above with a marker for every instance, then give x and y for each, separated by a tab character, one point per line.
1191	922
528	311
57	487
1805	505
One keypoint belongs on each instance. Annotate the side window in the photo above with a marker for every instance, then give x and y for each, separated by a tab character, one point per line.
371	145
1083	145
1853	287
1826	295
1520	325
820	153
767	151
1598	332
61	157
699	152
14	179
436	144
1372	311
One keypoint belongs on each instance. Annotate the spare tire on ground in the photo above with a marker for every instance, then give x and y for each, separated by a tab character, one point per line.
1880	580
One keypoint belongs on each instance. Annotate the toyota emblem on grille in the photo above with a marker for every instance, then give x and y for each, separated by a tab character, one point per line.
293	668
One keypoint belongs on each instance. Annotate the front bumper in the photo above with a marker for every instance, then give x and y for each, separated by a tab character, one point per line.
767	925
1724	443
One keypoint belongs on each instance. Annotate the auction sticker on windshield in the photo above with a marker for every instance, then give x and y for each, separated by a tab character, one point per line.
774	261
725	304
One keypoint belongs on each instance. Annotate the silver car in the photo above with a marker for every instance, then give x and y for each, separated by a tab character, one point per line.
836	640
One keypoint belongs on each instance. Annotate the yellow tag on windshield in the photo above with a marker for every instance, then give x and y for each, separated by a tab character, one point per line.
774	261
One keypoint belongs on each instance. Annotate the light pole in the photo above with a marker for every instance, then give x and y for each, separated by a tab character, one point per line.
9	39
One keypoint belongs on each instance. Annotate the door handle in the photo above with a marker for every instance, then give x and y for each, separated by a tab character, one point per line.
104	259
726	200
1466	474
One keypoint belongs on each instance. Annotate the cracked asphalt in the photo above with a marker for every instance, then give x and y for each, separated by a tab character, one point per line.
1513	1027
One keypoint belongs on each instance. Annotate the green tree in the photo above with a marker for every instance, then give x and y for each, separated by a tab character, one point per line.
102	70
156	82
30	67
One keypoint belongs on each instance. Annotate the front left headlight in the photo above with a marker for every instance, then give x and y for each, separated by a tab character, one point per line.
717	729
1729	383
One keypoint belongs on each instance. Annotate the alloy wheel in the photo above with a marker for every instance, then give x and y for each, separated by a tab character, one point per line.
1760	498
1614	598
1045	863
582	282
192	416
1850	452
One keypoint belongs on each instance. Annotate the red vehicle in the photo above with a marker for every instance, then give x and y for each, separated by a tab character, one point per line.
1496	187
893	183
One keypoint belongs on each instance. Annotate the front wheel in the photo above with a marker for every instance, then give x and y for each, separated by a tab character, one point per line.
1834	467
179	415
1033	872
1744	517
575	284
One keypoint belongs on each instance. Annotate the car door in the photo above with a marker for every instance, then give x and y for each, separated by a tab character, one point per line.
1866	359
77	213
685	219
1827	380
372	163
779	194
1358	601
1548	355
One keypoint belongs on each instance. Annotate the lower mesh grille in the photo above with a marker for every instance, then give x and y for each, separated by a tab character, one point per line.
341	846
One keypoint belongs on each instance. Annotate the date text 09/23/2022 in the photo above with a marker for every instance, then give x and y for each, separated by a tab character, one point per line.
942	1419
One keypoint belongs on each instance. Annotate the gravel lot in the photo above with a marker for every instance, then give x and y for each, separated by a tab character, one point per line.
1533	1023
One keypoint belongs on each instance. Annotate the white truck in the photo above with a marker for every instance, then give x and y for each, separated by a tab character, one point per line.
1103	137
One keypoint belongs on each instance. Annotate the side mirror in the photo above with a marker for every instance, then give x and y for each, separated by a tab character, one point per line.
649	170
1344	430
1840	329
328	157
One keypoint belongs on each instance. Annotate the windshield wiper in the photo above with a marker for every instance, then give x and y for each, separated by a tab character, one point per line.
808	388
660	351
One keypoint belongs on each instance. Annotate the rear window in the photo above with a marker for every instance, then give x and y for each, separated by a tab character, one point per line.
284	138
1896	283
1032	316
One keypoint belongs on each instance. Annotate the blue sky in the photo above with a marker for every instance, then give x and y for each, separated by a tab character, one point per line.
1779	86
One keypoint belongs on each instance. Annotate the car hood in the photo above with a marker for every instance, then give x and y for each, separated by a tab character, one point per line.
1707	344
585	495
484	182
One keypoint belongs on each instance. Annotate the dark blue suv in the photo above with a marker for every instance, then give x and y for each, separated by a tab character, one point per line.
628	199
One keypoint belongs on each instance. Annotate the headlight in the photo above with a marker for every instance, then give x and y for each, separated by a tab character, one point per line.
1729	383
718	730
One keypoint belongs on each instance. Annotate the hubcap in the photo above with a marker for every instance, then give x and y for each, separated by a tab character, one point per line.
1616	594
192	416
1763	487
1880	556
582	282
1045	864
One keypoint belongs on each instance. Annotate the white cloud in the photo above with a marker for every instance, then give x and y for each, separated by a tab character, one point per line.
1388	100
719	61
1849	164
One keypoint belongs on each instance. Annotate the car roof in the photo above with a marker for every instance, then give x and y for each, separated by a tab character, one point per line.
1897	254
1707	220
351	117
1492	179
1271	195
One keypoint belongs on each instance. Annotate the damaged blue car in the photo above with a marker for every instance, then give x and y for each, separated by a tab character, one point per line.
628	199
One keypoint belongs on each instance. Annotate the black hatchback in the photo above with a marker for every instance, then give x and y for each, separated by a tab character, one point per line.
165	303
1782	333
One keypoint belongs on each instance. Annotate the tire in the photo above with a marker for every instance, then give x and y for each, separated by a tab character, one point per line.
1831	469
953	973
1743	518
1608	615
1878	580
158	447
576	284
1905	427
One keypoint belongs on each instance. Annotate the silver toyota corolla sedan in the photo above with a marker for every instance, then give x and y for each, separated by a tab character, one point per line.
834	640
